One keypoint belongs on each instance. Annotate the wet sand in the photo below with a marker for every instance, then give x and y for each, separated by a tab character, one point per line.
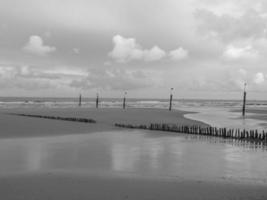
19	126
260	114
256	115
70	160
229	118
60	186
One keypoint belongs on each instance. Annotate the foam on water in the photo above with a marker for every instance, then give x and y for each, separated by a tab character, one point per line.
109	102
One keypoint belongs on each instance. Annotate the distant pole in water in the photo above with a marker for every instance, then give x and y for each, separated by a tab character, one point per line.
80	100
97	100
244	101
124	100
170	106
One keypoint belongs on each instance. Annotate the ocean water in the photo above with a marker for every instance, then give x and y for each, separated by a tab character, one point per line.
131	102
220	113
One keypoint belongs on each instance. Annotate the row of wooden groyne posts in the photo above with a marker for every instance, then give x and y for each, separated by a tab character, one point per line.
74	119
240	134
207	131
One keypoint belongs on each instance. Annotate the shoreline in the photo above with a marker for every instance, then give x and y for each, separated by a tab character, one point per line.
94	183
14	125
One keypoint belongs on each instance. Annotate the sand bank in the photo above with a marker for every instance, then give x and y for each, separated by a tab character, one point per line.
19	126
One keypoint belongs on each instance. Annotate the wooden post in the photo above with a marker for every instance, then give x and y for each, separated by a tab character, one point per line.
170	106
97	101
124	100
244	101
80	100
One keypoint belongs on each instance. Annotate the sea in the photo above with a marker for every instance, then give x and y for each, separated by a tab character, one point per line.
219	113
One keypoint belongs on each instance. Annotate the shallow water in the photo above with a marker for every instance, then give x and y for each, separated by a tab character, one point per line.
137	153
225	117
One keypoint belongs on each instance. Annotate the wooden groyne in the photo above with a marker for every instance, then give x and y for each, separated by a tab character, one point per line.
73	119
240	134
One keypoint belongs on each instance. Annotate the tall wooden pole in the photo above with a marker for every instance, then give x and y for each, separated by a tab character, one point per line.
97	100
124	100
170	106
80	100
244	101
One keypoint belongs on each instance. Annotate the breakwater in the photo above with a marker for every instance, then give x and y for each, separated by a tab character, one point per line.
73	119
241	134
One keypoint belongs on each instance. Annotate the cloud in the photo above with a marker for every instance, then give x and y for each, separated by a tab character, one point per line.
233	52
178	54
113	79
127	49
259	78
226	27
236	80
25	78
36	46
32	78
172	31
154	54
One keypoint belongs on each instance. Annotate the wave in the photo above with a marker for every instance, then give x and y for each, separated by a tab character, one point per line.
134	103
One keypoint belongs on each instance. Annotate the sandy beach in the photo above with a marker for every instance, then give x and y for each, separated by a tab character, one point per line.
50	159
138	100
19	126
62	186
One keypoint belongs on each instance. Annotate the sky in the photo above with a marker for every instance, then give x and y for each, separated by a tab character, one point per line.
201	48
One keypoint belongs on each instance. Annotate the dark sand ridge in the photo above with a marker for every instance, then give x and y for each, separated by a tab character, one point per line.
20	126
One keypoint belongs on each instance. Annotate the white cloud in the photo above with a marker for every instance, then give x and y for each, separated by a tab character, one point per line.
227	27
247	52
154	54
259	78
36	46
178	54
127	49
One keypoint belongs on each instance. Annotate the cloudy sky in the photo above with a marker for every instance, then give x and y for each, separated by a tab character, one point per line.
202	48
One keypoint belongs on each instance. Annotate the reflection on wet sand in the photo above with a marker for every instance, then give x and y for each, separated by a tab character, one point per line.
136	153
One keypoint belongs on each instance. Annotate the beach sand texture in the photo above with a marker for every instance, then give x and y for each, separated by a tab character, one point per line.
19	126
74	184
